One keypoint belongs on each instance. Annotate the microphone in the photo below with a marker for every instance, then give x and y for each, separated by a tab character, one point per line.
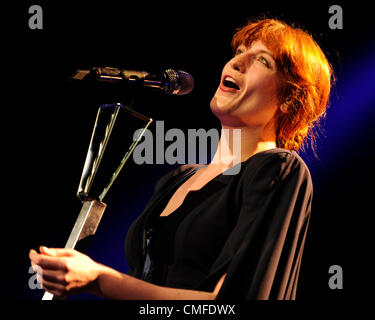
171	82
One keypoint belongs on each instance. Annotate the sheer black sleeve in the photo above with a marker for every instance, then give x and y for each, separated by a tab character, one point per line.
264	250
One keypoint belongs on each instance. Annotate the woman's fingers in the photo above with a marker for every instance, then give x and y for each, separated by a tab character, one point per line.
55	276
51	271
47	262
63	271
56	289
57	252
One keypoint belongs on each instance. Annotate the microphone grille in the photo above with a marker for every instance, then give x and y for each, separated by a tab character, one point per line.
186	82
180	82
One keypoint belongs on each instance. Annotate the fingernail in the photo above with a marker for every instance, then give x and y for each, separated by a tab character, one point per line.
32	253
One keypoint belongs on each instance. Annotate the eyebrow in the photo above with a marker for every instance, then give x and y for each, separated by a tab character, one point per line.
260	51
268	53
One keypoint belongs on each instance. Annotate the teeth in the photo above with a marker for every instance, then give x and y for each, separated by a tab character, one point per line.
230	83
230	79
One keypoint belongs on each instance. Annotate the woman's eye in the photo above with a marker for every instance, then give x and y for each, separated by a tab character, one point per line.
238	51
264	61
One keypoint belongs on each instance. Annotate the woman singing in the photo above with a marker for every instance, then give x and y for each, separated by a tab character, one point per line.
207	234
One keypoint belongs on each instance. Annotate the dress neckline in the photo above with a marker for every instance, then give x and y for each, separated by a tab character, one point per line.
218	177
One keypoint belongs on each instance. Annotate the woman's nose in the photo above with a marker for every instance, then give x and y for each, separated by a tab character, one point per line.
238	64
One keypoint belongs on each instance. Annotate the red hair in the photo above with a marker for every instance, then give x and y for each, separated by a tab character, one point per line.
306	74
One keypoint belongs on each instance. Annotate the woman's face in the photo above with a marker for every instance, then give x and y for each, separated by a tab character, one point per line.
248	90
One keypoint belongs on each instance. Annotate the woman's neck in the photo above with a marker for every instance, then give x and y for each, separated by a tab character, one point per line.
239	144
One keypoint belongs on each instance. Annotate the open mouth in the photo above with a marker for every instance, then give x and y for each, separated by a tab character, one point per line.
229	82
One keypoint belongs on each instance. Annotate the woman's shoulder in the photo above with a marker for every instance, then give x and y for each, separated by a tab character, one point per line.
278	156
277	162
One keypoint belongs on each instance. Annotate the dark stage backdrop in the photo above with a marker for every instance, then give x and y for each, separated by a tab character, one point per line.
48	120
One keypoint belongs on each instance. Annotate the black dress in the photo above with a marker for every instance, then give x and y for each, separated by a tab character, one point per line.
251	225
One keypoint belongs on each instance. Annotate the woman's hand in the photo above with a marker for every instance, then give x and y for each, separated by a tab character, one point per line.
65	271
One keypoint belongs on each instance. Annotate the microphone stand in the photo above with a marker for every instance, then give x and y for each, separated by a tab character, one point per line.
93	207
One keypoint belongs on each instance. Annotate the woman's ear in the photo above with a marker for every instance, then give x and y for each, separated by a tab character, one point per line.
284	107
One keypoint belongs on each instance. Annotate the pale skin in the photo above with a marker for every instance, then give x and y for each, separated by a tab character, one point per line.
251	109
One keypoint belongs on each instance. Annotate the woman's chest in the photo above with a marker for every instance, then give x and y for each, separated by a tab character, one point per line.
194	184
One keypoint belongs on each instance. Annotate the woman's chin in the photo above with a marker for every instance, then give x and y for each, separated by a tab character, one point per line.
226	117
220	107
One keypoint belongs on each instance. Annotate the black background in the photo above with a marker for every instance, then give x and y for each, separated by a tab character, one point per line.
47	123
